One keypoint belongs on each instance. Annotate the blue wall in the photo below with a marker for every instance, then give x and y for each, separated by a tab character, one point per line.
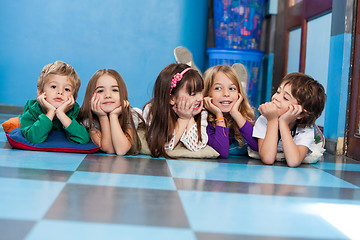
136	38
338	83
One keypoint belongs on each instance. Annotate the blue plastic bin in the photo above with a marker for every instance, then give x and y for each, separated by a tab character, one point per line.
237	23
251	59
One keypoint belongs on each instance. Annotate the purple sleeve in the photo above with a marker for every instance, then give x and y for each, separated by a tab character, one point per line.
246	131
218	140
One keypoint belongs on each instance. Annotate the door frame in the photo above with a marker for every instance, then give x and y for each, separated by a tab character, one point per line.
352	137
298	16
289	18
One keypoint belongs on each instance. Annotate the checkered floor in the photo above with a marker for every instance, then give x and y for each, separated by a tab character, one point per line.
46	195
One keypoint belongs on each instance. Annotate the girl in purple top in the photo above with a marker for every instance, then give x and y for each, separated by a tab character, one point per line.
231	118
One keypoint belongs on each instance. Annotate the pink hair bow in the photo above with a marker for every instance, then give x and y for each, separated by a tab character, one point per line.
177	77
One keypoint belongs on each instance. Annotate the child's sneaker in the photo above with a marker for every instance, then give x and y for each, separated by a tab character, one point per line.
183	55
242	74
319	137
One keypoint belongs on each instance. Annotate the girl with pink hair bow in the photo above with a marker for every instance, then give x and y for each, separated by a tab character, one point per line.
174	114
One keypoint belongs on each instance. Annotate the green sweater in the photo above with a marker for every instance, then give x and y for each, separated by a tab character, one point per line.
36	126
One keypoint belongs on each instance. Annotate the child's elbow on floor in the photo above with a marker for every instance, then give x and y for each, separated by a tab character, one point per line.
267	160
293	163
122	151
108	151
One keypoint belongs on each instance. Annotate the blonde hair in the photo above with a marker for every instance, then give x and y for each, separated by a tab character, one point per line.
245	109
59	68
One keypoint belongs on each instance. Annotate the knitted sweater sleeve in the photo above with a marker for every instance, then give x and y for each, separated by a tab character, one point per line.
247	131
35	125
219	139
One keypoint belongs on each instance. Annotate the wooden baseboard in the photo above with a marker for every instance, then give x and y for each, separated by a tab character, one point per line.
335	147
11	109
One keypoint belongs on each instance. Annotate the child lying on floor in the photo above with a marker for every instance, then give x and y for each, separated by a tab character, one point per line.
55	107
287	122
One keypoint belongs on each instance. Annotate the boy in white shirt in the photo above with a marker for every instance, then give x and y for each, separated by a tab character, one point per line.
287	122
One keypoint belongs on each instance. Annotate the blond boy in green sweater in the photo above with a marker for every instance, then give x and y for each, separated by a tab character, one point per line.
55	107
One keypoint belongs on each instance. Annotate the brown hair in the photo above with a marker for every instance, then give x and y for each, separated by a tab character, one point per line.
125	118
161	116
309	93
59	68
245	109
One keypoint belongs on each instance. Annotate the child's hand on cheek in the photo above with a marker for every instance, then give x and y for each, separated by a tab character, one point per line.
199	109
45	105
268	110
292	114
66	106
117	111
211	107
183	108
96	106
236	106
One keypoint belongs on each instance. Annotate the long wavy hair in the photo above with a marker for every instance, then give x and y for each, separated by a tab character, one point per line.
245	109
125	118
162	118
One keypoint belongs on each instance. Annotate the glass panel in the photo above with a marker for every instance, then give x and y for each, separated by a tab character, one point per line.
293	60
317	52
294	2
